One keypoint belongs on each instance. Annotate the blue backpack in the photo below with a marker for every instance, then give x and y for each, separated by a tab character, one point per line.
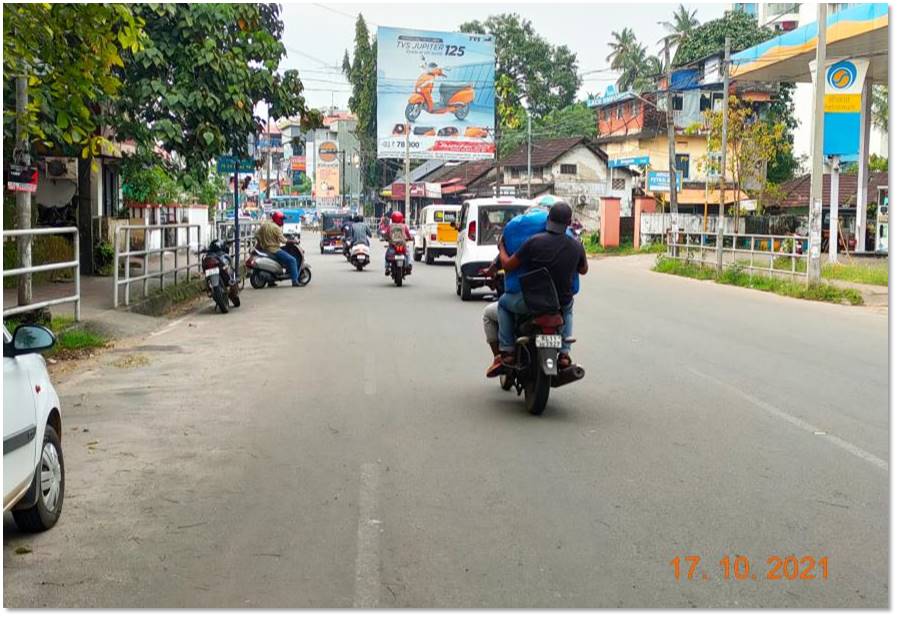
520	229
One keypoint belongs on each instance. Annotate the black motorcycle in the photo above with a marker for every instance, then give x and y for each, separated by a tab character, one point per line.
539	341
221	280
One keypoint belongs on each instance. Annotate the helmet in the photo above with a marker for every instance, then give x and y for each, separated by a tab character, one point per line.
277	217
397	217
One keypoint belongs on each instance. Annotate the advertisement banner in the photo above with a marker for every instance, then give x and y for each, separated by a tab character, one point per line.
297	163
442	85
659	181
327	180
844	81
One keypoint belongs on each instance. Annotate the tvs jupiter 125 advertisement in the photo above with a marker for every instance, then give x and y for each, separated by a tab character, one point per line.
441	86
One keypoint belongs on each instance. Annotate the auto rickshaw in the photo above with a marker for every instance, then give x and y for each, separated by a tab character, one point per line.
332	230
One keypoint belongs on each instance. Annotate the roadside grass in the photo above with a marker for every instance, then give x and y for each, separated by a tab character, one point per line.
73	340
740	278
594	248
868	272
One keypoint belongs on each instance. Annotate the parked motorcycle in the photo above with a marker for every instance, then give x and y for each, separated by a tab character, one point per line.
360	255
264	269
536	371
399	266
453	98
221	281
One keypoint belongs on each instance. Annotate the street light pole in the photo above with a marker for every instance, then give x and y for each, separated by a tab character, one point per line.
813	263
724	146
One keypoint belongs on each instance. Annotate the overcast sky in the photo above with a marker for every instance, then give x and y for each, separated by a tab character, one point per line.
317	34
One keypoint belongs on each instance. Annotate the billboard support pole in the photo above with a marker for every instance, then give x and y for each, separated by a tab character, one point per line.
407	170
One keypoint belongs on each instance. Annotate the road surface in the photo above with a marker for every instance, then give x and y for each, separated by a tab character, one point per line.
339	446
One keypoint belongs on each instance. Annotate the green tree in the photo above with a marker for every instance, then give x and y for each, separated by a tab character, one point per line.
70	53
683	24
527	68
194	85
638	69
880	107
576	120
361	72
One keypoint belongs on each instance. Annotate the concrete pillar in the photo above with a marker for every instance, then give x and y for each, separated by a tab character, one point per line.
609	212
642	205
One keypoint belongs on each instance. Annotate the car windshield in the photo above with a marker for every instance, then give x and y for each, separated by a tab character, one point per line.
492	220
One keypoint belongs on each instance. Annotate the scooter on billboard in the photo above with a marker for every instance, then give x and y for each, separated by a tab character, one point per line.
453	98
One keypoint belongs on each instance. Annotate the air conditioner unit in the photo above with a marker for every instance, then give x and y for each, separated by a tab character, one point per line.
61	168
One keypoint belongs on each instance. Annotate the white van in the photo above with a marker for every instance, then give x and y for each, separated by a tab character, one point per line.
436	233
480	224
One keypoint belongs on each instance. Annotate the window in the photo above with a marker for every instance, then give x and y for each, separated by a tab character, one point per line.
682	164
568	169
619	184
619	112
677	102
705	102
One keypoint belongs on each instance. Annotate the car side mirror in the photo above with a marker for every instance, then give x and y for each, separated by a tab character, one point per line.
32	339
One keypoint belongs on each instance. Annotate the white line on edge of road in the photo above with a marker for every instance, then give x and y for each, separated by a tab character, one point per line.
367	558
806	426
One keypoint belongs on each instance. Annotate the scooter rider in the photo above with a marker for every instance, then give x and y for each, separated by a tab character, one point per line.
398	234
563	257
270	238
361	232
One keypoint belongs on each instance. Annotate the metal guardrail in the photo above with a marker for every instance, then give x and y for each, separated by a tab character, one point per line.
118	281
224	230
765	253
76	264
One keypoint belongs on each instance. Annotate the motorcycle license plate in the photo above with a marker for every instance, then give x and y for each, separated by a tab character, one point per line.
400	259
211	272
552	341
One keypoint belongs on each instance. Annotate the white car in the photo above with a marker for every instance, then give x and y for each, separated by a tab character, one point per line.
480	224
33	469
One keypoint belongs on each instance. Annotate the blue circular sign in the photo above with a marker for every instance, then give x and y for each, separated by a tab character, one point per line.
841	75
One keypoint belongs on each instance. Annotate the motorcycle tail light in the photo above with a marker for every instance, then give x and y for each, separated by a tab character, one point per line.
250	263
472	230
400	249
209	262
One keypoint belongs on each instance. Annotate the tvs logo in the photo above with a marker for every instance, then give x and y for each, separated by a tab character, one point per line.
327	151
841	75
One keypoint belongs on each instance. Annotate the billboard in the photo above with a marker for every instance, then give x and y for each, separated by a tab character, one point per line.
442	85
844	80
297	163
327	180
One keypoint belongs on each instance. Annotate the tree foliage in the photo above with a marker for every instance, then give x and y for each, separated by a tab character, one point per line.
361	72
70	53
638	69
880	106
194	85
710	37
752	143
528	68
683	24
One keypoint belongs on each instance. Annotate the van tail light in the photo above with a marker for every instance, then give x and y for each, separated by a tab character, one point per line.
433	237
472	230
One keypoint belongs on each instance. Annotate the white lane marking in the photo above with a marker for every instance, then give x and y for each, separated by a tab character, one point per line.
367	558
801	424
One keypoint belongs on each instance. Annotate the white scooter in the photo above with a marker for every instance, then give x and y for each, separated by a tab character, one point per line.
360	255
265	270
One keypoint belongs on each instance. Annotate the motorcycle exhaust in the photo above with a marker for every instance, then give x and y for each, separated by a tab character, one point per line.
568	375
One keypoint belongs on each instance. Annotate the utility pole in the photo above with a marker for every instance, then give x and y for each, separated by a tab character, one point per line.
833	210
724	146
23	198
529	156
813	264
407	169
268	181
671	142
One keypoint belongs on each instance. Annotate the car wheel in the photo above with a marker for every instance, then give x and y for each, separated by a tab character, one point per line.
51	475
465	289
429	257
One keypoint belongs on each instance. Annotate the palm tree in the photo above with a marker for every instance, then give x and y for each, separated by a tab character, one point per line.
684	22
621	46
638	70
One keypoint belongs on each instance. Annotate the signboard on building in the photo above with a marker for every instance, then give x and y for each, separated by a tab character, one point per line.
659	181
297	163
22	179
327	174
442	84
628	161
428	190
844	81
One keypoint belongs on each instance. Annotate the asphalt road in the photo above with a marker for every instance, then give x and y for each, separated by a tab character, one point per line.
339	446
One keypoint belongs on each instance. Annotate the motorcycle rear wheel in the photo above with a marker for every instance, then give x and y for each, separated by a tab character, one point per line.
397	276
220	298
535	393
256	280
505	381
